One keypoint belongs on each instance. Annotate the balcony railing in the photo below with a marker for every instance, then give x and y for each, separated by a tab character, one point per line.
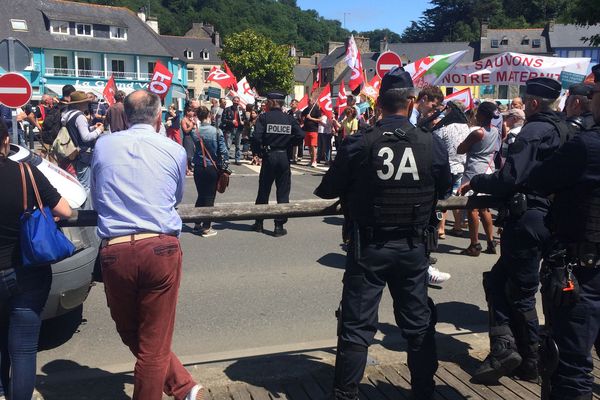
88	73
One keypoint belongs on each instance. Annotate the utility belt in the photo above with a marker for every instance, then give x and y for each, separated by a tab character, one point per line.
584	254
373	234
516	206
269	149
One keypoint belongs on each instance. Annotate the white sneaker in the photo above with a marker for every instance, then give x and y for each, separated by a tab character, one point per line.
209	232
436	277
197	393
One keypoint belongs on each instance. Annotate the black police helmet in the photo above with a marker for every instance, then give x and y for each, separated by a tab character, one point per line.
396	78
543	87
580	89
277	95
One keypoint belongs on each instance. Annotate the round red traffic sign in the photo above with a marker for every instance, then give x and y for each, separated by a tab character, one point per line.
387	61
15	90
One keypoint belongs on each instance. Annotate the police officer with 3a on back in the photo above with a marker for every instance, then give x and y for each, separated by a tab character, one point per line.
389	177
571	270
512	283
274	133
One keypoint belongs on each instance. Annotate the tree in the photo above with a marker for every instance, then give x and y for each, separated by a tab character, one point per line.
267	65
586	13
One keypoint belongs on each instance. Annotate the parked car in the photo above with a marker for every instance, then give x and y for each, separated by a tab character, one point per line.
71	277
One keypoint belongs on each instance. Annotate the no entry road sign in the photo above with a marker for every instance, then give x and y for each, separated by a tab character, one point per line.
387	61
15	90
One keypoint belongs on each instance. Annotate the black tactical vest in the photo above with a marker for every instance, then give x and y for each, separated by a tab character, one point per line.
395	186
590	206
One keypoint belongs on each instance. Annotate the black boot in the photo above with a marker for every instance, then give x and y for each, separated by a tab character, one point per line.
501	361
257	226
528	370
279	230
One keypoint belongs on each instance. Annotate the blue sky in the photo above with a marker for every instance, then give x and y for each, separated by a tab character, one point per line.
366	15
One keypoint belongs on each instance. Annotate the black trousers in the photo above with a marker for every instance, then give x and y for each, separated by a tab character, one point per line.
575	329
206	186
402	265
275	168
512	283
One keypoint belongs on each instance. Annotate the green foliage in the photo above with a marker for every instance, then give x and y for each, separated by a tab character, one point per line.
586	12
459	20
266	64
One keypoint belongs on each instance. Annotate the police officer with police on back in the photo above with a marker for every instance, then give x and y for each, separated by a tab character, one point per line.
274	133
389	177
571	270
512	283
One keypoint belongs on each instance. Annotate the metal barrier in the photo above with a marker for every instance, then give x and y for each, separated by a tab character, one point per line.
294	209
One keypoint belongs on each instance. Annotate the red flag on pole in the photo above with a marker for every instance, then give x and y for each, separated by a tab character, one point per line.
109	91
161	80
325	102
317	82
463	96
375	82
357	77
221	78
303	103
228	71
342	101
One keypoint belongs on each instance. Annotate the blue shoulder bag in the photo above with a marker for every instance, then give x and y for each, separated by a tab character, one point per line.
42	243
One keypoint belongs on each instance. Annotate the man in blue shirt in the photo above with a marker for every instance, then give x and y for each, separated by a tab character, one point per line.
137	180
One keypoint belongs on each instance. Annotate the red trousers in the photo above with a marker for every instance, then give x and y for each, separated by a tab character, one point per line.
141	281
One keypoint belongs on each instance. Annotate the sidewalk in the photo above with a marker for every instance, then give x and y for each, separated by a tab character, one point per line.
309	376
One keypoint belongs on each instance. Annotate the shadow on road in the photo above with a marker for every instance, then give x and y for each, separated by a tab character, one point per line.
56	385
333	260
338	221
58	331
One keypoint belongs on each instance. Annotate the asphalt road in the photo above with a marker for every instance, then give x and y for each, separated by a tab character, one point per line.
247	293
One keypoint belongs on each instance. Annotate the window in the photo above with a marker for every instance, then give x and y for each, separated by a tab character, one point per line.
84	66
206	73
575	53
59	27
191	93
494	44
61	65
117	32
118	68
536	43
190	75
151	66
504	42
502	91
525	41
188	54
83	30
18	25
205	55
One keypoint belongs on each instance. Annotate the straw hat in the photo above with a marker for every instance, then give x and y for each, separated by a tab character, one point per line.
79	97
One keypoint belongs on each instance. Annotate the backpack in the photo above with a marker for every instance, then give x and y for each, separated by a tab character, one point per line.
63	146
51	125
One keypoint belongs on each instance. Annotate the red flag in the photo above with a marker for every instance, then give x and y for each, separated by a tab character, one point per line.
342	101
161	80
317	82
325	102
221	78
463	96
589	80
375	82
228	71
109	91
357	77
303	103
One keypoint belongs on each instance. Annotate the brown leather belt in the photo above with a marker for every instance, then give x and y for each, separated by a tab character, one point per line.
128	238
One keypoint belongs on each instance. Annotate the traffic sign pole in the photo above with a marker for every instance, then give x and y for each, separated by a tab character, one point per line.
11	67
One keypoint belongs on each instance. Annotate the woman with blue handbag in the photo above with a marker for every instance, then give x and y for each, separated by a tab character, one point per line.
24	289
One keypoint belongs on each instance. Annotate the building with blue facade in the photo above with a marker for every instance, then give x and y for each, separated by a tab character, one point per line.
568	41
83	45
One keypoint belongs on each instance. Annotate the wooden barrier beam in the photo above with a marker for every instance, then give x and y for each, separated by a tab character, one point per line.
295	209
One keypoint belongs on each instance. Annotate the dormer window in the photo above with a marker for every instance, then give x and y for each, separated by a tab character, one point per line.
504	41
116	32
18	25
494	43
83	30
205	55
188	54
59	27
536	43
525	41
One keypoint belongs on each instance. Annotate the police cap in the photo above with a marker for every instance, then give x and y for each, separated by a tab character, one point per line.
580	89
596	72
543	87
276	96
488	109
396	78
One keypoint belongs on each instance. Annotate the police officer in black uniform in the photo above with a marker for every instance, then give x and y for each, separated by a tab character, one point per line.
512	283
571	272
578	107
274	133
389	177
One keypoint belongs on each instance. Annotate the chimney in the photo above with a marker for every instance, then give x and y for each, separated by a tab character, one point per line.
551	25
216	39
362	43
142	14
153	24
484	28
383	45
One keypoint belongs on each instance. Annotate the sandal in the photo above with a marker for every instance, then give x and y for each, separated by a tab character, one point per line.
473	250
441	235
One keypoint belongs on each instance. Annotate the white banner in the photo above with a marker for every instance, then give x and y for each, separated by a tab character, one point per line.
512	69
